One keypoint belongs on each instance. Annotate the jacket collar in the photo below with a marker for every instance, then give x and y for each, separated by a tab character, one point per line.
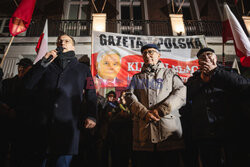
72	63
152	68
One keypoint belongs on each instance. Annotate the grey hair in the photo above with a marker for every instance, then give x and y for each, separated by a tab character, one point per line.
103	53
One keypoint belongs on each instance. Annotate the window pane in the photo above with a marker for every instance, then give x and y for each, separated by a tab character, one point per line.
1	22
186	13
137	13
73	12
125	13
84	12
6	27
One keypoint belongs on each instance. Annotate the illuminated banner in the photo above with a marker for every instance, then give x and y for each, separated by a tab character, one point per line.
117	57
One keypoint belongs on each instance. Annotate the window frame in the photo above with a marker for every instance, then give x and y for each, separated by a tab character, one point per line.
80	3
131	27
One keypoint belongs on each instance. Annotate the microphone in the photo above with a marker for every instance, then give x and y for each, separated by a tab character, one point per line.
59	50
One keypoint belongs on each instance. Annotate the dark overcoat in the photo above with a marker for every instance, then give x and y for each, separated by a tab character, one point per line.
58	94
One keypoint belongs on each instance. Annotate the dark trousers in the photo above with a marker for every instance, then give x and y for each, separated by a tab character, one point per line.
211	154
157	159
34	160
57	161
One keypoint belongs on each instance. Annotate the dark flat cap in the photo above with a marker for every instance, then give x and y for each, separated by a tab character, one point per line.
111	93
202	50
25	62
149	46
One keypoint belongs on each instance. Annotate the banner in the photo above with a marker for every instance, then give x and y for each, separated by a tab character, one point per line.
117	57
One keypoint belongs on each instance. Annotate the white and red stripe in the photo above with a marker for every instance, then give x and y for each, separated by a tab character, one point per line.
232	30
42	45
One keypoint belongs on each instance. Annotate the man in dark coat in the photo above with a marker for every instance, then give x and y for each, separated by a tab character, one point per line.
211	99
11	86
58	82
11	95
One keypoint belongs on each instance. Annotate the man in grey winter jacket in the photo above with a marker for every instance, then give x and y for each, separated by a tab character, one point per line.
154	97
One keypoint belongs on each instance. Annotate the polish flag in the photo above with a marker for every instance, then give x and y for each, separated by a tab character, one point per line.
42	45
20	20
232	30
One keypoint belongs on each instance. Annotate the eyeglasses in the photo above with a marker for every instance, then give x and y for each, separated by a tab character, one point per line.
60	41
150	52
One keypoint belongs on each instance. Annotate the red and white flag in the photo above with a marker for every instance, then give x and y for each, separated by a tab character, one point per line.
42	45
232	30
20	20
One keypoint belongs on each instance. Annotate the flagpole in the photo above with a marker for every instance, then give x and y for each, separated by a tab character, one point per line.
7	50
243	8
11	40
16	3
173	7
223	54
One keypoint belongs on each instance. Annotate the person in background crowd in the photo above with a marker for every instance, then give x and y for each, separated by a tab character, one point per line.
111	109
112	106
217	124
85	59
154	97
123	105
10	86
101	133
58	82
11	96
120	132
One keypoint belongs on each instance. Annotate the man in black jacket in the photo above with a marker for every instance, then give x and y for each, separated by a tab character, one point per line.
211	99
58	82
11	95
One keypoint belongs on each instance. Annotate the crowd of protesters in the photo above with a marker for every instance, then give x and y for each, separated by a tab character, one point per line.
49	118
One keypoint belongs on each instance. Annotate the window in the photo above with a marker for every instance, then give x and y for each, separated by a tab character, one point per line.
130	14
4	26
186	13
78	9
78	14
